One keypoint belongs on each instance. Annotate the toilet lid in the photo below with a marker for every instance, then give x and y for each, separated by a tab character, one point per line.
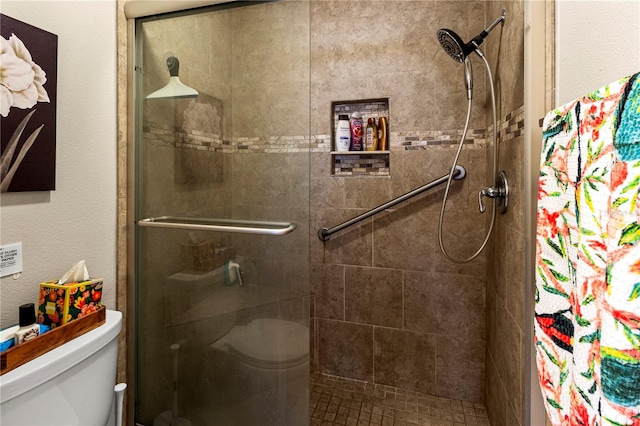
270	343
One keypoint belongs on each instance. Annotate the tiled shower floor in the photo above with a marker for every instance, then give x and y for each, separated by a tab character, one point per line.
339	401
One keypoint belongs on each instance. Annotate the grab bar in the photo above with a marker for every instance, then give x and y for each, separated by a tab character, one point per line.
324	234
220	225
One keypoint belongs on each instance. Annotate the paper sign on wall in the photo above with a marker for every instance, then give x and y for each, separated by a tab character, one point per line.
10	259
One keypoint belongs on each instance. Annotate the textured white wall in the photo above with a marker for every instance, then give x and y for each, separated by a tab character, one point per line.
597	42
78	219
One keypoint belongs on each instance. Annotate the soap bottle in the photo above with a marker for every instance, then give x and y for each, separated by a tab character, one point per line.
356	132
371	135
383	138
28	327
343	133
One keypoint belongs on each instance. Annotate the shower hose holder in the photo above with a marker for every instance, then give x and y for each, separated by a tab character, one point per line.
499	192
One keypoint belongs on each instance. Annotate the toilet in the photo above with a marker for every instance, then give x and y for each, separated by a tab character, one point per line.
72	384
270	364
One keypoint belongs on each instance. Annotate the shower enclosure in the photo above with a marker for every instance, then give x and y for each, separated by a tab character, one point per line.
222	217
254	146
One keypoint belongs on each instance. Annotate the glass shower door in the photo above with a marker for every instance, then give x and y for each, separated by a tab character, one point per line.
222	208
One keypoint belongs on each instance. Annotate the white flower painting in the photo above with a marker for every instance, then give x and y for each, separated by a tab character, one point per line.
21	80
23	87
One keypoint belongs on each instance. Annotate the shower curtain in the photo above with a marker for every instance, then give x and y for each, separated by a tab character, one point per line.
587	315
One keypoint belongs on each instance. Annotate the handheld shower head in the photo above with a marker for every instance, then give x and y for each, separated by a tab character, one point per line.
468	77
453	44
456	48
459	50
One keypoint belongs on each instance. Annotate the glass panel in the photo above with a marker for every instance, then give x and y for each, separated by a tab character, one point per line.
223	317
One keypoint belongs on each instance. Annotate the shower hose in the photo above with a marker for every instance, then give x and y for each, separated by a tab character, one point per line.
455	163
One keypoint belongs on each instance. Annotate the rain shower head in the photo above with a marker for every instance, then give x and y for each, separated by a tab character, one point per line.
456	48
175	88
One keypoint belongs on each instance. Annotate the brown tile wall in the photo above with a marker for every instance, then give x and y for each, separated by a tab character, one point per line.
506	369
389	308
506	301
386	306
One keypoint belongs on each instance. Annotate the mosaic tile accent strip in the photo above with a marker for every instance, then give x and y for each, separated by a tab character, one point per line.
165	135
413	140
369	109
272	144
339	401
423	139
366	109
510	127
160	134
320	143
360	164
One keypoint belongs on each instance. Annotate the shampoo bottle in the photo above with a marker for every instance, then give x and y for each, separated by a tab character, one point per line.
28	327
356	132
371	135
343	133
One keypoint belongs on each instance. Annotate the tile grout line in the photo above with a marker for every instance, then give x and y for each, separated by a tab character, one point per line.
344	293
353	402
373	354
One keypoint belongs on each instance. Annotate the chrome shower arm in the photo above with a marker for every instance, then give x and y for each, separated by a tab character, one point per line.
498	20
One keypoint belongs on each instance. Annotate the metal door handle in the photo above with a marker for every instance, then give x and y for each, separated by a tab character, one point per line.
219	225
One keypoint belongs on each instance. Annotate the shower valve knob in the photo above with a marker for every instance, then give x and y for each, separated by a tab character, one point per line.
491	192
481	204
499	191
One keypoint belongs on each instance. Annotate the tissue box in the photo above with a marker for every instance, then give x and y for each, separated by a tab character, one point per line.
204	257
199	256
60	303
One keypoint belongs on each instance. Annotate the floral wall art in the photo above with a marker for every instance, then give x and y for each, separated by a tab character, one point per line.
28	77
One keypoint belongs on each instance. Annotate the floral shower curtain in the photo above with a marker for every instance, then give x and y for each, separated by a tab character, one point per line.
587	314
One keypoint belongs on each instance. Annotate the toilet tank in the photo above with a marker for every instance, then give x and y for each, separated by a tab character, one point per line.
69	385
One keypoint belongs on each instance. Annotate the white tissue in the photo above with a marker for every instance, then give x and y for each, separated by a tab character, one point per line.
197	237
76	274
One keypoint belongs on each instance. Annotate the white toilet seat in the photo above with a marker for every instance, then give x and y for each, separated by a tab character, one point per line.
268	343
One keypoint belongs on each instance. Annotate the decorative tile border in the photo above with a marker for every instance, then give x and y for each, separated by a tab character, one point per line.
320	143
421	140
510	127
414	140
365	164
365	108
271	144
164	135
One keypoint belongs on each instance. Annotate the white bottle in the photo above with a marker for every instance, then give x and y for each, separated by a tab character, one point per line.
343	133
28	326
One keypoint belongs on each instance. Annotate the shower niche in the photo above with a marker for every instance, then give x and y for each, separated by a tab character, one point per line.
360	163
